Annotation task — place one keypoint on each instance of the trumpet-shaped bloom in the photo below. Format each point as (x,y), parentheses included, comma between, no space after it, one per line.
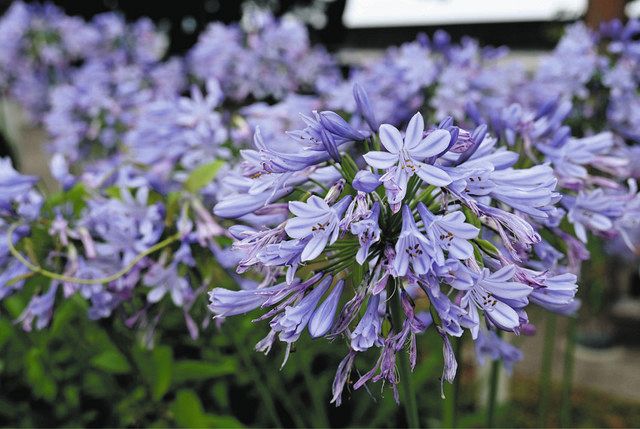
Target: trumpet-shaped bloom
(408,156)
(412,248)
(317,220)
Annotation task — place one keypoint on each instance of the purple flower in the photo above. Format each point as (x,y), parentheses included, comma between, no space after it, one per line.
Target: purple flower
(315,219)
(294,319)
(230,303)
(367,333)
(333,123)
(555,291)
(405,156)
(364,106)
(368,232)
(450,363)
(489,346)
(12,183)
(366,181)
(412,247)
(163,280)
(450,232)
(451,315)
(323,316)
(342,375)
(41,308)
(594,211)
(498,297)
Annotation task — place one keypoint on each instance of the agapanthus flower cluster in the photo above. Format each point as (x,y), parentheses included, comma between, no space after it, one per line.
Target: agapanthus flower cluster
(18,200)
(265,57)
(122,246)
(39,44)
(355,229)
(41,47)
(371,227)
(90,115)
(395,84)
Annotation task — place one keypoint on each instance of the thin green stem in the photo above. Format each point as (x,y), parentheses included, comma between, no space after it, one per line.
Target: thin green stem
(493,393)
(450,404)
(277,388)
(258,379)
(567,374)
(56,276)
(408,389)
(545,370)
(319,417)
(324,188)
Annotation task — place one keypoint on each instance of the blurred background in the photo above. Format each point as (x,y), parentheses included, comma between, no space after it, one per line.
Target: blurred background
(83,373)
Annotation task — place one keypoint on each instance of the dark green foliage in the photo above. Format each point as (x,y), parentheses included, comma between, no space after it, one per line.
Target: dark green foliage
(83,373)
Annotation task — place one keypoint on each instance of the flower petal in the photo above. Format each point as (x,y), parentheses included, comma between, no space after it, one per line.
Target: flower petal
(433,175)
(382,160)
(413,136)
(300,227)
(391,138)
(314,247)
(431,145)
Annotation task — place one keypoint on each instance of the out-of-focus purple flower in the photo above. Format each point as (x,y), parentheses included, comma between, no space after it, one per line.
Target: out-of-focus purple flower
(40,309)
(489,346)
(163,280)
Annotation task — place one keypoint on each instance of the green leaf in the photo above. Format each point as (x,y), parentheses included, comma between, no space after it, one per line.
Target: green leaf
(75,196)
(65,313)
(223,421)
(487,247)
(202,176)
(357,274)
(187,410)
(41,382)
(191,370)
(471,217)
(349,168)
(111,361)
(173,206)
(162,359)
(477,254)
(113,192)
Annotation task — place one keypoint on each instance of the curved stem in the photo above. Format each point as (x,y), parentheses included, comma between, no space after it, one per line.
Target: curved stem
(408,390)
(56,276)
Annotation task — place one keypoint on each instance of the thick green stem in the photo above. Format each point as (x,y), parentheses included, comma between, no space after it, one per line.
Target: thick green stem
(567,375)
(408,390)
(493,391)
(450,404)
(545,371)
